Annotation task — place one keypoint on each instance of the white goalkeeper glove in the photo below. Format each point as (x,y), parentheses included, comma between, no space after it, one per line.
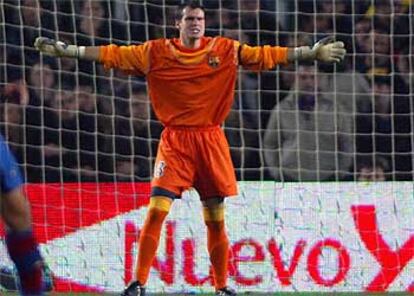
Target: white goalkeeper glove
(325,50)
(55,48)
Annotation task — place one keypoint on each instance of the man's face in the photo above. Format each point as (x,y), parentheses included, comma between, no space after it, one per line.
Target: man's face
(382,91)
(68,101)
(30,12)
(371,174)
(192,24)
(306,79)
(93,8)
(41,74)
(13,113)
(86,98)
(362,35)
(381,42)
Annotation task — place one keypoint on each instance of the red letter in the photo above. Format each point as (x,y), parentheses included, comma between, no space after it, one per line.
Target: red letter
(392,262)
(313,267)
(258,256)
(189,275)
(166,268)
(131,235)
(411,288)
(283,274)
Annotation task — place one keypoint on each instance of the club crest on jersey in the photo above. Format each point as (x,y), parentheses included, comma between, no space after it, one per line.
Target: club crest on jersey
(213,61)
(159,169)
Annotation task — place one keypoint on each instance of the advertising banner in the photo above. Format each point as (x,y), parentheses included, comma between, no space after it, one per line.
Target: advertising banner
(283,237)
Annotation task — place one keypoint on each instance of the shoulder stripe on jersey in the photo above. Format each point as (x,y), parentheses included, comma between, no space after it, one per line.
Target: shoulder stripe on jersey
(148,68)
(237,52)
(191,58)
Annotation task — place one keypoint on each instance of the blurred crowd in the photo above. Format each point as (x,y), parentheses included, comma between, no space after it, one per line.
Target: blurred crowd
(70,120)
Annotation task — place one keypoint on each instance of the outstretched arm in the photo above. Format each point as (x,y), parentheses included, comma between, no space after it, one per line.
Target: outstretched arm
(132,59)
(61,49)
(267,57)
(91,53)
(325,50)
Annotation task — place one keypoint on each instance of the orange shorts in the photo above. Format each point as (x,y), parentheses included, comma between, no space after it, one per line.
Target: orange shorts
(194,157)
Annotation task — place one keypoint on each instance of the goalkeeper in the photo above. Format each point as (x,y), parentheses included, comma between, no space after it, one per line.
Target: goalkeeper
(191,83)
(21,244)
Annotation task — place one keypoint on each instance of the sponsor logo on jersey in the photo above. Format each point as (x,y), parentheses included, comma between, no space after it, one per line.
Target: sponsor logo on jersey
(213,61)
(159,169)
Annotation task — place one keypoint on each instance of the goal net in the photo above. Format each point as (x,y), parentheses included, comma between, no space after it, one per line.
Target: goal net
(322,153)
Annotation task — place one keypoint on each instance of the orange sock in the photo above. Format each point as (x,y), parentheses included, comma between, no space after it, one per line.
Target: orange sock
(218,247)
(148,243)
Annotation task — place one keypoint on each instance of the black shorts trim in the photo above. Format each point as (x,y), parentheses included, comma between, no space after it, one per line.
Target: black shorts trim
(158,191)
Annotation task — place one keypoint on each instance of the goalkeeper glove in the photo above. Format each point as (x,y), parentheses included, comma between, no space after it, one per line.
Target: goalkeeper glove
(55,48)
(325,50)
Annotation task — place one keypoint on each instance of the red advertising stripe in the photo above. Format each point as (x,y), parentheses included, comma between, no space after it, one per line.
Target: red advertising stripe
(60,209)
(66,285)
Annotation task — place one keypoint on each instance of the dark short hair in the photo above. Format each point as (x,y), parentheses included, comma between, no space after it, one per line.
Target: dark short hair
(373,161)
(190,4)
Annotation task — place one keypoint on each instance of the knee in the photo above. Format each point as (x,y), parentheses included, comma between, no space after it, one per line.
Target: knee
(158,208)
(214,215)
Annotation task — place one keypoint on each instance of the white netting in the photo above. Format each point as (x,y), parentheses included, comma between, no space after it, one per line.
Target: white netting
(71,121)
(86,112)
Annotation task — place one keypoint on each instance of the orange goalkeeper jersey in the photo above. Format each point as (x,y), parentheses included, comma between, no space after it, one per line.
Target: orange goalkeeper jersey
(191,88)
